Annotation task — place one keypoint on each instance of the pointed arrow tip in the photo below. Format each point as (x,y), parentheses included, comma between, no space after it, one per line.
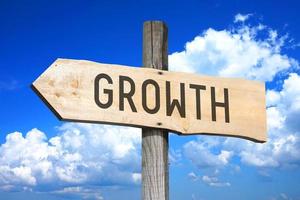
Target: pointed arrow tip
(35,89)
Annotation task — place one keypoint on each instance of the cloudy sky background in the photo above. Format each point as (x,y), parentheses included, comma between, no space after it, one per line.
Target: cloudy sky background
(42,158)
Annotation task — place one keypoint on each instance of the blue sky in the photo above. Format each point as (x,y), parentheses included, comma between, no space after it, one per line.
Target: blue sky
(43,158)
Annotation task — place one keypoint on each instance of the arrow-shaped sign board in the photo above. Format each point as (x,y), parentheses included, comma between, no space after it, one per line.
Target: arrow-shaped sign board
(85,91)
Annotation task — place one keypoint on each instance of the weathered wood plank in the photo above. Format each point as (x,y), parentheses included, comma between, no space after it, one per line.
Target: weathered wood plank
(68,87)
(155,166)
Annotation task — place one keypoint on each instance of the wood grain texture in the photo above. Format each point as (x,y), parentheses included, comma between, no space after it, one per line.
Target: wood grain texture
(155,166)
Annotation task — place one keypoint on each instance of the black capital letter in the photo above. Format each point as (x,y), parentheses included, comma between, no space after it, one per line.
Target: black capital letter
(144,96)
(175,102)
(214,104)
(198,99)
(105,91)
(128,96)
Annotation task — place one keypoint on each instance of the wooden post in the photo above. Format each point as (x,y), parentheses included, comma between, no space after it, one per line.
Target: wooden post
(155,165)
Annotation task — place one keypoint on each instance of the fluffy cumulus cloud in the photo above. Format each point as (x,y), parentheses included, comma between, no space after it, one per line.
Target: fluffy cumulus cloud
(80,155)
(237,52)
(204,155)
(253,52)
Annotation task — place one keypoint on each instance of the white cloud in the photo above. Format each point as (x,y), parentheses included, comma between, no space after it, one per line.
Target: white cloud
(201,154)
(209,180)
(193,176)
(273,97)
(136,177)
(275,118)
(263,160)
(84,193)
(234,53)
(241,18)
(214,181)
(285,104)
(174,156)
(81,154)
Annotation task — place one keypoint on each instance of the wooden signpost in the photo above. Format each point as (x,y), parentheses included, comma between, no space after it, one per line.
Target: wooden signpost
(86,91)
(156,100)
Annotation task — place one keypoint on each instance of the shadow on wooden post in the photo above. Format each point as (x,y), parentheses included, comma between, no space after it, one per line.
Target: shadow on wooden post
(155,166)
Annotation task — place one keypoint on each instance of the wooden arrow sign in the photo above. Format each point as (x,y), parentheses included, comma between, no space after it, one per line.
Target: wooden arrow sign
(84,91)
